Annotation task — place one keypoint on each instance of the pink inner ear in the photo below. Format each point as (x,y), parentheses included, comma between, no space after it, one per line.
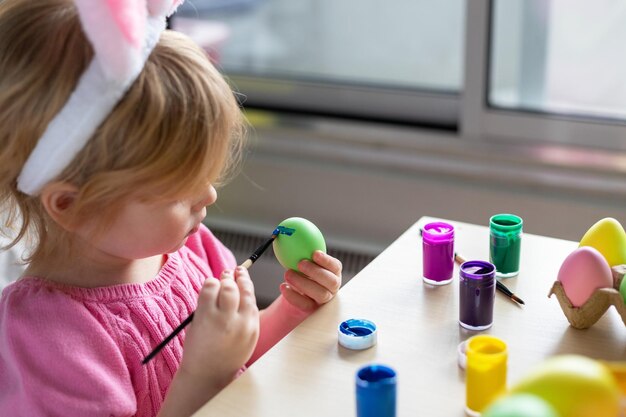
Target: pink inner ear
(130,16)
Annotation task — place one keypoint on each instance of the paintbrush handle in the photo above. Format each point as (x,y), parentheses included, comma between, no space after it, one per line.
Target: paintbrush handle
(165,341)
(258,252)
(246,264)
(458,259)
(502,288)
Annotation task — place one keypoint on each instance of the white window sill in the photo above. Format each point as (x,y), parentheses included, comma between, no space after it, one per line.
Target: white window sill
(586,173)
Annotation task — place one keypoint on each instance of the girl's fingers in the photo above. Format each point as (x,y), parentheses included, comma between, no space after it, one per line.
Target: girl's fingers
(246,289)
(308,287)
(296,299)
(323,277)
(326,261)
(228,298)
(227,274)
(207,298)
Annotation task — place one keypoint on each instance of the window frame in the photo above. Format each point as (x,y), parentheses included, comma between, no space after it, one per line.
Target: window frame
(432,108)
(480,120)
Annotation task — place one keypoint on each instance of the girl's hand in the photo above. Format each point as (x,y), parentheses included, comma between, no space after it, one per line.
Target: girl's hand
(316,284)
(219,341)
(224,330)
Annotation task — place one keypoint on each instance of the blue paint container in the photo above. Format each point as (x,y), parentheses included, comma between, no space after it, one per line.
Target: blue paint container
(376,391)
(357,334)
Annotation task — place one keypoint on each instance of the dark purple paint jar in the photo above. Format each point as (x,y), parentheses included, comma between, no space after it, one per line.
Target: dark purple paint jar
(477,292)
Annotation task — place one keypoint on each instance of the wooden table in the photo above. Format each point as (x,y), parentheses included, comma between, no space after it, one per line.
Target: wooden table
(309,374)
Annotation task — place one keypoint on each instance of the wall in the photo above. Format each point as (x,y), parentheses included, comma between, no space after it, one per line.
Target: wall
(363,189)
(363,193)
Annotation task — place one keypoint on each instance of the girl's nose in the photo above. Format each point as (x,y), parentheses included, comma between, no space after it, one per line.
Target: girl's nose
(206,199)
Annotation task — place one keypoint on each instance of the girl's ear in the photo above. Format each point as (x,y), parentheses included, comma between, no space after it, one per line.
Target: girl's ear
(57,199)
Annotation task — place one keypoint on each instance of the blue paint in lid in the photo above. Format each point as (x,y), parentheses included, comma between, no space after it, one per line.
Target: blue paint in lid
(357,334)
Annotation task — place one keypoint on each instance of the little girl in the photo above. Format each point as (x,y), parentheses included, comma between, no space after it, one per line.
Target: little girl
(113,135)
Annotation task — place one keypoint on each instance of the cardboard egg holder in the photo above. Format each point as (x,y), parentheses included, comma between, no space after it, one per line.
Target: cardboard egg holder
(586,315)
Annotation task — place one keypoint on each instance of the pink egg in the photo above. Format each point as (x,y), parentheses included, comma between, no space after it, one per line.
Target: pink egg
(582,272)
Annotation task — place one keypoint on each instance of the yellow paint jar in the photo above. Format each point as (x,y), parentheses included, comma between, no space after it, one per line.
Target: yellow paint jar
(485,373)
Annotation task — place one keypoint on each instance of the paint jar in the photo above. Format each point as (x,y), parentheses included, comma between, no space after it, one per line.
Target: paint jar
(376,391)
(438,253)
(477,293)
(505,243)
(485,373)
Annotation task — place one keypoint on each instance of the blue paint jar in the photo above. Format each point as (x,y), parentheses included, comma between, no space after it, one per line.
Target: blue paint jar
(376,391)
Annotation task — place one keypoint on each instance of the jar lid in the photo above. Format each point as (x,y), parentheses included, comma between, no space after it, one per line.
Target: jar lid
(477,270)
(438,232)
(461,353)
(357,334)
(506,223)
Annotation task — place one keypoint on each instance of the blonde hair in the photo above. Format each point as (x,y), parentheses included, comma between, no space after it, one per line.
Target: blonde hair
(178,128)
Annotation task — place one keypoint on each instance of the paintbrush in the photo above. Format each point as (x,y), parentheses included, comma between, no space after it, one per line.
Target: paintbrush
(280,230)
(499,286)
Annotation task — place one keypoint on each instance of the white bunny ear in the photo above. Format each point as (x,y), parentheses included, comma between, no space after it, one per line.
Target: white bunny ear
(163,7)
(123,33)
(116,29)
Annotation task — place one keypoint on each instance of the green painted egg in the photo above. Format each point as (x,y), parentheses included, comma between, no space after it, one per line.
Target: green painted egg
(622,289)
(520,405)
(305,239)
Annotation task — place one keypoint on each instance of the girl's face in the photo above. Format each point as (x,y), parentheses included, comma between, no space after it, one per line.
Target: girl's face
(144,229)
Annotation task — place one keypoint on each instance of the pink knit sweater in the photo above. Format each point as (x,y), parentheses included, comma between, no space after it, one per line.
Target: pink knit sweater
(70,351)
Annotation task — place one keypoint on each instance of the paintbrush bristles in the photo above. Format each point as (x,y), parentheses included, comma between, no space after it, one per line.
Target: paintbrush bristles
(283,230)
(516,298)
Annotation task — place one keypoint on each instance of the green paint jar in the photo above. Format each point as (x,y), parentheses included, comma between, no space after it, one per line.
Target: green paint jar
(505,243)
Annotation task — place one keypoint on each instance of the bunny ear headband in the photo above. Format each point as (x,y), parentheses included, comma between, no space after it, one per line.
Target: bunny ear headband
(123,33)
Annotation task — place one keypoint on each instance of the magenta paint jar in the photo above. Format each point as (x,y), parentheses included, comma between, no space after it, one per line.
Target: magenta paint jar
(438,253)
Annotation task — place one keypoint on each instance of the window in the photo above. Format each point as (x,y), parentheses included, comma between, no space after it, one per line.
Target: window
(563,56)
(392,61)
(531,71)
